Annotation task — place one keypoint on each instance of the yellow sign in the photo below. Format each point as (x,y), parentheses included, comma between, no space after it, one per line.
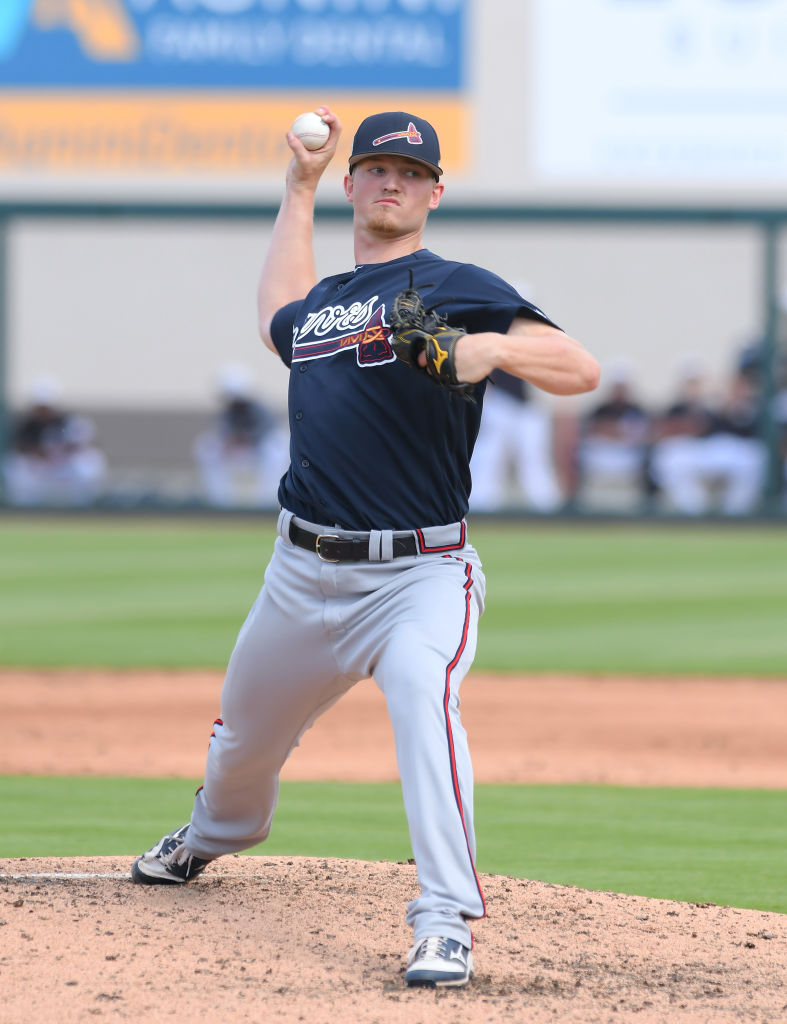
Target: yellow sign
(228,133)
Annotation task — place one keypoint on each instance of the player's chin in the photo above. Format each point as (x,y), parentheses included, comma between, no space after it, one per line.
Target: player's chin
(383,221)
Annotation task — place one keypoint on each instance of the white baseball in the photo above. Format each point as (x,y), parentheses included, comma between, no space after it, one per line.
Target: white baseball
(311,130)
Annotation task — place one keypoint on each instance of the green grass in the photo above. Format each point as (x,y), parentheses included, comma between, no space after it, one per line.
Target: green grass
(597,598)
(635,599)
(130,593)
(704,845)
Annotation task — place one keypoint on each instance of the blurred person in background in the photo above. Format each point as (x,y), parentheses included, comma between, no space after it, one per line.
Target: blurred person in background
(54,458)
(612,447)
(244,455)
(516,433)
(751,362)
(780,416)
(514,446)
(677,441)
(708,456)
(735,456)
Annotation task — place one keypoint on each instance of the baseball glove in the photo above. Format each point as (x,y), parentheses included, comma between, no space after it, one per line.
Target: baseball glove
(415,329)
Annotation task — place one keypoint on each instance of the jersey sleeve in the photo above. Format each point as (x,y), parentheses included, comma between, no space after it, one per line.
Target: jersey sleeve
(281,330)
(479,300)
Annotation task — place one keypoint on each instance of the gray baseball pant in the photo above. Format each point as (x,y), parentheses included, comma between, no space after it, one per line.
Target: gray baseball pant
(315,630)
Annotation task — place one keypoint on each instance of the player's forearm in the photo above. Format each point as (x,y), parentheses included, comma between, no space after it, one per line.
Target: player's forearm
(551,360)
(288,272)
(542,355)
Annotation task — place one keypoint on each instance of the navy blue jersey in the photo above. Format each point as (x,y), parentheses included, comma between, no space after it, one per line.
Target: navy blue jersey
(373,443)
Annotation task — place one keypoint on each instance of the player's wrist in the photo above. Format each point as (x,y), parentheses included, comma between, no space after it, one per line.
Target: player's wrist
(476,356)
(301,185)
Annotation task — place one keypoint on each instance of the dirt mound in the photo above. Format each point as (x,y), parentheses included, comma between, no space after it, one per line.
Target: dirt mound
(302,939)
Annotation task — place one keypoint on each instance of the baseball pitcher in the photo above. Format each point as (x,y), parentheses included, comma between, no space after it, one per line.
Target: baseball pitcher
(373,572)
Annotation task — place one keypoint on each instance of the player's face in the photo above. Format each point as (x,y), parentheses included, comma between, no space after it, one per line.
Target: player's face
(392,195)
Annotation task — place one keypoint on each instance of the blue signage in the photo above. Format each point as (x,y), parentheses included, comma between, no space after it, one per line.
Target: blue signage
(233,44)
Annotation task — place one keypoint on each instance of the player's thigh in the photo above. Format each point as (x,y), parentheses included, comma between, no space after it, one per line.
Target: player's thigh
(432,637)
(282,665)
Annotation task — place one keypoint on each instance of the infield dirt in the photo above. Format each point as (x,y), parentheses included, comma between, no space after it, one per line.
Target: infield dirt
(304,939)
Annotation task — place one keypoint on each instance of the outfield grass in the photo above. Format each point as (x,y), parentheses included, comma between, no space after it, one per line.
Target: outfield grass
(636,599)
(704,845)
(597,598)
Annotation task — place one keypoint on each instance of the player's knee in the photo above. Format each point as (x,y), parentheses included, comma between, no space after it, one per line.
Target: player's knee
(416,692)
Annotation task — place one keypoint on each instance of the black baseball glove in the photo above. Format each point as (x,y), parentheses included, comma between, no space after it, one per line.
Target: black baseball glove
(415,329)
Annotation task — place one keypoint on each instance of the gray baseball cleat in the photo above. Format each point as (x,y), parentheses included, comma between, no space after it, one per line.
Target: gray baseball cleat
(168,862)
(438,962)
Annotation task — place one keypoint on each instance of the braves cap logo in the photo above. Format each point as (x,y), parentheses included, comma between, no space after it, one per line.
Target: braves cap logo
(412,135)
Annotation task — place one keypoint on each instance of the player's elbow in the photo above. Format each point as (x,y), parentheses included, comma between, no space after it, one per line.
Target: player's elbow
(264,328)
(584,373)
(589,374)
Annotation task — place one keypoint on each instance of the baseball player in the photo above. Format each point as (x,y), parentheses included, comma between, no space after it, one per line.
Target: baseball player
(372,572)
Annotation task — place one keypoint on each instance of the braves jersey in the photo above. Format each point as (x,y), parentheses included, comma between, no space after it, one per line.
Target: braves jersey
(375,445)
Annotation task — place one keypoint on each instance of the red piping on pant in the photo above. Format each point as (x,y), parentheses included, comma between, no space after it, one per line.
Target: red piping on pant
(449,732)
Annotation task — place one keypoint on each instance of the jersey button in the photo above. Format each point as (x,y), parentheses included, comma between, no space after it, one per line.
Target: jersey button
(302,368)
(299,415)
(305,463)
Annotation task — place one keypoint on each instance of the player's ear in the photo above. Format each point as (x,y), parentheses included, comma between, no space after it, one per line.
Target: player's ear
(437,194)
(348,187)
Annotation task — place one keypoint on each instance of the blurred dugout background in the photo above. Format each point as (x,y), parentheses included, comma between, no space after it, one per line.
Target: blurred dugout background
(623,164)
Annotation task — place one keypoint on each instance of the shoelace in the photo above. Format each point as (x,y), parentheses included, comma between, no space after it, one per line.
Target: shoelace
(433,947)
(177,855)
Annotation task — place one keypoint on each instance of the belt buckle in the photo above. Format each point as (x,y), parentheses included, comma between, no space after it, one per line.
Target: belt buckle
(325,536)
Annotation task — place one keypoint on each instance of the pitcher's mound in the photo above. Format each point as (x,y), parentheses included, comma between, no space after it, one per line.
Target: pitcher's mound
(296,939)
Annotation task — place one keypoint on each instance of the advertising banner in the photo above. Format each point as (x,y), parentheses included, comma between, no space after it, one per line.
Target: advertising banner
(210,86)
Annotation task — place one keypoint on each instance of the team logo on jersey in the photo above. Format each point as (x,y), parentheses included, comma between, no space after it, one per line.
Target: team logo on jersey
(334,329)
(412,135)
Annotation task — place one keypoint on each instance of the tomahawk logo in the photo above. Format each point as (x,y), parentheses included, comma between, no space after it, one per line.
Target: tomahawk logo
(334,329)
(412,135)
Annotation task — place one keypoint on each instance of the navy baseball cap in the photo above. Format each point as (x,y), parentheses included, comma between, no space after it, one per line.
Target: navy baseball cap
(399,134)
